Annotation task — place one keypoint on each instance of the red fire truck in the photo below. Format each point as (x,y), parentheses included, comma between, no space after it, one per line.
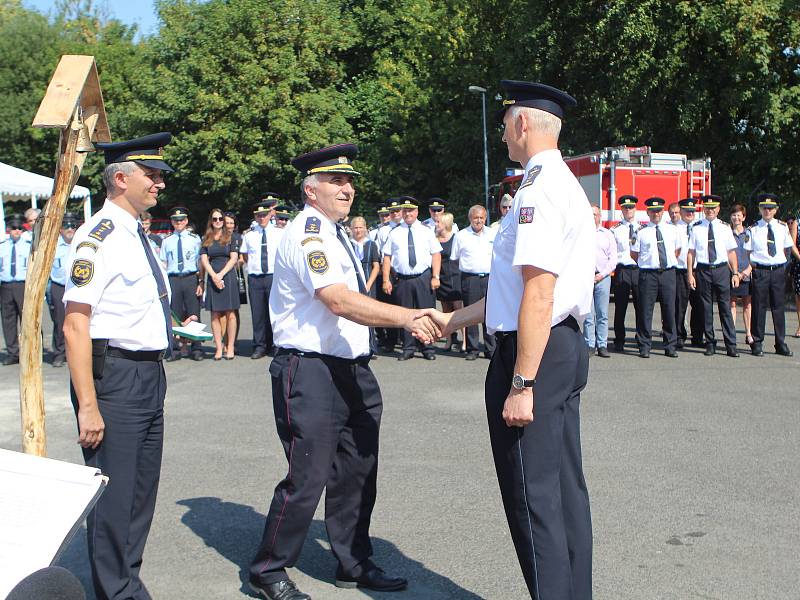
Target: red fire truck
(607,174)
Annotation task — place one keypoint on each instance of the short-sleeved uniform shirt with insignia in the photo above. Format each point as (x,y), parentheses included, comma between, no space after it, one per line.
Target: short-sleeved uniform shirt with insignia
(58,274)
(22,251)
(425,246)
(625,233)
(190,247)
(723,241)
(311,257)
(109,271)
(251,248)
(759,248)
(684,229)
(551,227)
(647,245)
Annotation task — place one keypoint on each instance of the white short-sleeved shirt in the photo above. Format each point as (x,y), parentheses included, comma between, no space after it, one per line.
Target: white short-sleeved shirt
(251,247)
(684,229)
(22,251)
(425,246)
(473,251)
(190,248)
(757,244)
(108,270)
(646,245)
(625,233)
(311,257)
(383,234)
(550,226)
(723,241)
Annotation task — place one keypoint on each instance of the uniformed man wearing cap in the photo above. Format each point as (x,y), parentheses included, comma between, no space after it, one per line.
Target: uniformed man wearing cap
(767,249)
(540,288)
(712,270)
(14,253)
(282,216)
(118,330)
(326,400)
(56,285)
(656,251)
(684,295)
(436,207)
(383,219)
(180,252)
(259,247)
(388,337)
(414,255)
(626,275)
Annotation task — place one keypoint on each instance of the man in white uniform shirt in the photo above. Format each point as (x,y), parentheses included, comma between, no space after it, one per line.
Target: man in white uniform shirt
(118,329)
(712,270)
(656,250)
(326,400)
(259,247)
(684,295)
(387,337)
(540,288)
(769,241)
(626,275)
(472,249)
(414,255)
(436,208)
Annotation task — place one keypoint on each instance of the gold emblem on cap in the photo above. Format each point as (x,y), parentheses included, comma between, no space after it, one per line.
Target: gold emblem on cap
(342,160)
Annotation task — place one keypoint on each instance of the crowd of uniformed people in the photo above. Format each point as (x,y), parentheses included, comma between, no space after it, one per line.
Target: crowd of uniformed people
(326,292)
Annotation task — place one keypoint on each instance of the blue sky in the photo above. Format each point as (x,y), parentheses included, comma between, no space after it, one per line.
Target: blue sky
(140,12)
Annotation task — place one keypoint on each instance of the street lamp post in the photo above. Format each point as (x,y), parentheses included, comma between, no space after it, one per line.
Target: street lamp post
(475,89)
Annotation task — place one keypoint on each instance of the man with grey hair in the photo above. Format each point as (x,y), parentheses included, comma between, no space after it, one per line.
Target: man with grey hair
(30,220)
(505,205)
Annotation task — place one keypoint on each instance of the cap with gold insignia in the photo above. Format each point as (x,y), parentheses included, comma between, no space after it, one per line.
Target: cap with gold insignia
(628,201)
(535,95)
(267,203)
(179,213)
(147,151)
(437,204)
(394,205)
(687,204)
(767,201)
(333,159)
(408,202)
(655,203)
(15,222)
(70,221)
(711,200)
(383,210)
(282,212)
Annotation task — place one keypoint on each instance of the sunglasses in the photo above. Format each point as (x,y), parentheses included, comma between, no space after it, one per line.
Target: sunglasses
(504,207)
(15,228)
(436,209)
(217,218)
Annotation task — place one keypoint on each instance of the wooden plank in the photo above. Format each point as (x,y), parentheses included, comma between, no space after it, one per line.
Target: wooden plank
(64,91)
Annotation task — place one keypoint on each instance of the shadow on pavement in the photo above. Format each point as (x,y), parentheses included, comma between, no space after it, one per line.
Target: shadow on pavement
(234,531)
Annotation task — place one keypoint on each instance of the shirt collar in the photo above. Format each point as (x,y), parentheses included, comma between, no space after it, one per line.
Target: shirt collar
(543,157)
(120,217)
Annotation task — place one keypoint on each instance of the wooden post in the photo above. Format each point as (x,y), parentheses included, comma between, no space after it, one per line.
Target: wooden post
(74,104)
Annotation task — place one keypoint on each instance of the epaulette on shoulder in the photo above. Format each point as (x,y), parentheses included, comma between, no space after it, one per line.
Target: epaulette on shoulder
(783,222)
(617,225)
(102,230)
(193,234)
(642,227)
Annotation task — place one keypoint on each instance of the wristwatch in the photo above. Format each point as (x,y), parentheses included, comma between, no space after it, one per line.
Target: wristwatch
(519,382)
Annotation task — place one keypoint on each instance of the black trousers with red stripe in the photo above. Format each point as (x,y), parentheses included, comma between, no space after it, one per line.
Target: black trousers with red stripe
(539,467)
(328,415)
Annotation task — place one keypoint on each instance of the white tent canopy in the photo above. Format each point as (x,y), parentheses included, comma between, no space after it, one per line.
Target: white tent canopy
(18,184)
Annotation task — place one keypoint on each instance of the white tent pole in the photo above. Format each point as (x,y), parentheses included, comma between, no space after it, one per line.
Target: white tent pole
(33,200)
(87,208)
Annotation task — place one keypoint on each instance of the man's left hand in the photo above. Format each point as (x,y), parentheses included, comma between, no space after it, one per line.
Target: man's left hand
(518,408)
(435,283)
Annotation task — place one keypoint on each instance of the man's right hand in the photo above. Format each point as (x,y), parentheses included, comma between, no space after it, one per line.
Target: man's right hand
(691,280)
(422,326)
(387,287)
(91,425)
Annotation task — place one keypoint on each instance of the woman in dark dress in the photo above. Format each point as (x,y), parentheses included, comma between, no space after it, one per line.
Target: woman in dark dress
(741,235)
(449,292)
(219,258)
(232,226)
(795,268)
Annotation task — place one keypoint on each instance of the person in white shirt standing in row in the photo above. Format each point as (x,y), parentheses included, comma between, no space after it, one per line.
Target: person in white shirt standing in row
(414,254)
(436,208)
(769,241)
(472,249)
(595,326)
(656,251)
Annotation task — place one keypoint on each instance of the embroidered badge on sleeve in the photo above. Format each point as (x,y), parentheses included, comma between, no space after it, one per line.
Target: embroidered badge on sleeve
(102,230)
(312,225)
(317,261)
(82,272)
(526,215)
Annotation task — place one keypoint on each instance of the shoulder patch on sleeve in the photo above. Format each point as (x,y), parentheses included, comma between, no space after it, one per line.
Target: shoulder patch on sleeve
(312,225)
(102,230)
(642,227)
(531,176)
(82,271)
(311,238)
(525,214)
(91,245)
(317,261)
(617,225)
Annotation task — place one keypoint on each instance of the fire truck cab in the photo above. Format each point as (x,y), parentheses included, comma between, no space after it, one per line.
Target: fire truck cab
(607,174)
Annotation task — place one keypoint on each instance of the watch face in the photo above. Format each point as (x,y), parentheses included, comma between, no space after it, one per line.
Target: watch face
(518,382)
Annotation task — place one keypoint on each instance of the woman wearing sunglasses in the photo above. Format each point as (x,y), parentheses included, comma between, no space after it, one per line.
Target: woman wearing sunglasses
(219,256)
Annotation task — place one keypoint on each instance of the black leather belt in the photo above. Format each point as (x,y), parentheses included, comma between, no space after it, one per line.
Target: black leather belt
(768,267)
(501,336)
(701,266)
(656,270)
(465,274)
(258,274)
(137,355)
(681,269)
(351,361)
(621,266)
(401,276)
(181,275)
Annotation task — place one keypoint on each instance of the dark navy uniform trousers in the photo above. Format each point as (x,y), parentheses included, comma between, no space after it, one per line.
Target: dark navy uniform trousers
(57,314)
(184,300)
(539,467)
(716,282)
(260,286)
(328,415)
(655,284)
(414,291)
(12,300)
(685,296)
(130,394)
(767,287)
(625,285)
(473,288)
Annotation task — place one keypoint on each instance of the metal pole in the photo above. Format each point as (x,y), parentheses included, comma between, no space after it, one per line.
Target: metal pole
(485,160)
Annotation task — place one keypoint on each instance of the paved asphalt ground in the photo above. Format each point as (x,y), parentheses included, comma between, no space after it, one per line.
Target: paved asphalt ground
(692,466)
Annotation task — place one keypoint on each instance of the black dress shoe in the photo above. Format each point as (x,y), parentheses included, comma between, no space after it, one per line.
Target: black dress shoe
(428,356)
(373,579)
(697,343)
(602,352)
(644,353)
(681,344)
(732,352)
(282,590)
(455,347)
(11,360)
(198,355)
(471,356)
(258,354)
(756,350)
(784,351)
(176,355)
(388,348)
(710,350)
(58,361)
(405,356)
(619,347)
(487,355)
(670,354)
